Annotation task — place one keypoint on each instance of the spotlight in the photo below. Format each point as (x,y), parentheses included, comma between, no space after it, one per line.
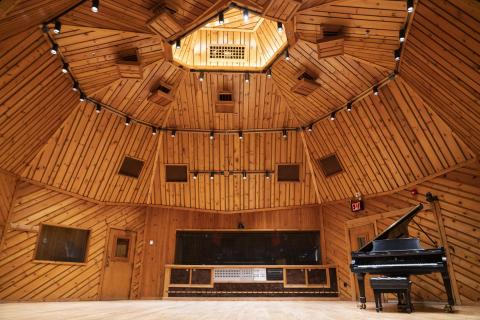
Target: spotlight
(397,55)
(54,49)
(201,76)
(212,175)
(212,135)
(95,5)
(310,127)
(82,97)
(410,6)
(173,134)
(221,19)
(65,67)
(333,115)
(58,27)
(154,131)
(45,28)
(401,36)
(287,55)
(240,135)
(75,86)
(127,121)
(279,26)
(178,44)
(247,77)
(245,15)
(375,90)
(98,108)
(244,175)
(195,175)
(349,106)
(269,73)
(284,133)
(267,175)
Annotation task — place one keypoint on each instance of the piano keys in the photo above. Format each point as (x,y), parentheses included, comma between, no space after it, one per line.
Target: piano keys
(393,253)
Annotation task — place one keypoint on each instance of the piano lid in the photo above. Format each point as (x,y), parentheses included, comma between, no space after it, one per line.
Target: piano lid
(398,229)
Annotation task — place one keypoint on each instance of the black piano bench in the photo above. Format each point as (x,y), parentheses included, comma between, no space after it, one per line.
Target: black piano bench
(399,285)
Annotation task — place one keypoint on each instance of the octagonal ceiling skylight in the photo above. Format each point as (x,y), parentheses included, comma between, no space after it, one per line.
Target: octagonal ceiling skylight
(235,44)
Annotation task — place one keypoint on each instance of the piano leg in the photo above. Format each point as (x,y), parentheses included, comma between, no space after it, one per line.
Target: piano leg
(361,289)
(448,289)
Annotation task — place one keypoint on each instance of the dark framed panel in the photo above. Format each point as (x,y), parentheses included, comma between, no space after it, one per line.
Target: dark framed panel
(330,165)
(176,173)
(131,167)
(289,172)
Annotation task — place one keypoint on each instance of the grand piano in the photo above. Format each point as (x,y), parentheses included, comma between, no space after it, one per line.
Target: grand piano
(393,253)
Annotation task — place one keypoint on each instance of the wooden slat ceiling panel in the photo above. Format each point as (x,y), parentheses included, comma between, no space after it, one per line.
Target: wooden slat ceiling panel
(441,60)
(340,78)
(231,193)
(187,11)
(385,143)
(258,104)
(23,279)
(35,98)
(85,154)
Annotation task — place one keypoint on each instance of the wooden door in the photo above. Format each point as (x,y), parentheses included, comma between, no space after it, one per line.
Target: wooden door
(360,236)
(118,266)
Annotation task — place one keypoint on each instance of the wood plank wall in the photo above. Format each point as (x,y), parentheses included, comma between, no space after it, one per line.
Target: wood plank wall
(7,190)
(459,193)
(161,226)
(441,60)
(23,280)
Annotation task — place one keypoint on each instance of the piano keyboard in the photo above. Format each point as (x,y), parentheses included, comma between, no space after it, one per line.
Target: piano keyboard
(368,266)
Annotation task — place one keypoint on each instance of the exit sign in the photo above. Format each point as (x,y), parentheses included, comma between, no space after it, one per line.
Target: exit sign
(356,205)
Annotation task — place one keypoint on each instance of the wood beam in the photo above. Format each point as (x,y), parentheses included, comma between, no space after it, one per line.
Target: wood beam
(6,6)
(307,5)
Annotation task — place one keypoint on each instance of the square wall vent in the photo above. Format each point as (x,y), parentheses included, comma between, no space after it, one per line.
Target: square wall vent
(288,172)
(176,173)
(131,167)
(330,165)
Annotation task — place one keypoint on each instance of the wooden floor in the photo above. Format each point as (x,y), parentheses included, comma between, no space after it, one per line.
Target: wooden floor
(218,310)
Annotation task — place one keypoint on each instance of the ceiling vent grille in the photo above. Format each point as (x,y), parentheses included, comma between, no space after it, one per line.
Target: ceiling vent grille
(131,167)
(227,52)
(288,173)
(176,173)
(330,165)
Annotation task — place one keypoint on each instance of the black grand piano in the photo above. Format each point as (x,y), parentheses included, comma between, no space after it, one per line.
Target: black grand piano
(393,253)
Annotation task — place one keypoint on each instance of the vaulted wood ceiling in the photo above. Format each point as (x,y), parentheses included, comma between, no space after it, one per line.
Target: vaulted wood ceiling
(423,123)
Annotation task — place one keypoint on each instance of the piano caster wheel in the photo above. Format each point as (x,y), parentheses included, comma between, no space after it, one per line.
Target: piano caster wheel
(448,308)
(363,306)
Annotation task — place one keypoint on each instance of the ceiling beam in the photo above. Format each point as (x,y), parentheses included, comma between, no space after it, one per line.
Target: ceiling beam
(307,5)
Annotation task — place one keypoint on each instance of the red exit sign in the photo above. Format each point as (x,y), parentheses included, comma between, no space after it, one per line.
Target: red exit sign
(356,205)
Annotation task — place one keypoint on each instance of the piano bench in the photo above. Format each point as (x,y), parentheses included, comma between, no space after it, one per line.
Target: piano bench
(399,285)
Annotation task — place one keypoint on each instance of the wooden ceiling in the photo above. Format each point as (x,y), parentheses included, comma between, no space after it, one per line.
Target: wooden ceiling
(423,123)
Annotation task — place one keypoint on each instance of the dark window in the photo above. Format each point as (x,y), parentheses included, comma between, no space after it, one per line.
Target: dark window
(62,244)
(164,89)
(176,173)
(131,167)
(288,172)
(224,96)
(330,165)
(121,249)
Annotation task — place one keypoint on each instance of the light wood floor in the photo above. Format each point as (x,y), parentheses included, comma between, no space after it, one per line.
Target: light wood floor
(220,310)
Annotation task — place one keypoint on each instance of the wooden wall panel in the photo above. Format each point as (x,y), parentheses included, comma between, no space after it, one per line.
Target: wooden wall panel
(384,143)
(35,98)
(85,155)
(441,60)
(161,226)
(257,152)
(7,190)
(23,279)
(459,193)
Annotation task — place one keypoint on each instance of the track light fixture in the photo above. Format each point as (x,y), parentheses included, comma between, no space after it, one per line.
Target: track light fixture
(82,97)
(410,6)
(154,131)
(54,49)
(287,55)
(95,5)
(267,175)
(58,27)
(75,86)
(212,135)
(375,90)
(333,115)
(201,76)
(269,73)
(247,77)
(245,15)
(127,121)
(349,106)
(397,55)
(174,133)
(45,28)
(279,26)
(65,67)
(244,175)
(284,134)
(240,135)
(212,175)
(178,44)
(221,18)
(98,108)
(195,175)
(310,127)
(401,35)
